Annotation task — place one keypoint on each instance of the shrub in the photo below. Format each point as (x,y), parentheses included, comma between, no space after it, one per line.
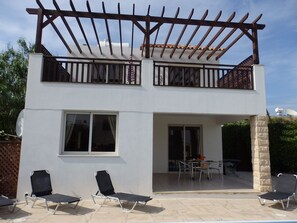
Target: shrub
(282,144)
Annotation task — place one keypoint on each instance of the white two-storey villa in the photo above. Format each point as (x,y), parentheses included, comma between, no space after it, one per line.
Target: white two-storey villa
(133,94)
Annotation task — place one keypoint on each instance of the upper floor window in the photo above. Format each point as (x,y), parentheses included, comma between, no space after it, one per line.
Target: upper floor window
(88,132)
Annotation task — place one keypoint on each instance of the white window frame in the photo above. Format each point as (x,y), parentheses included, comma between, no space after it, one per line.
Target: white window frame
(89,152)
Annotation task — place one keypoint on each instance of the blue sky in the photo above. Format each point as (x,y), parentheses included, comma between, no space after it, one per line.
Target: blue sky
(277,42)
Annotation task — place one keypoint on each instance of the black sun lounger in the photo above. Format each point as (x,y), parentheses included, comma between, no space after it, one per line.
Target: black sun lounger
(42,190)
(5,201)
(106,191)
(285,188)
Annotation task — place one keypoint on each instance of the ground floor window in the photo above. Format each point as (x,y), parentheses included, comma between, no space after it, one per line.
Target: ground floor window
(90,133)
(184,143)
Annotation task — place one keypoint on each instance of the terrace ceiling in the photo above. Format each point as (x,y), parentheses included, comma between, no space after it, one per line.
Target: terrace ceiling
(197,35)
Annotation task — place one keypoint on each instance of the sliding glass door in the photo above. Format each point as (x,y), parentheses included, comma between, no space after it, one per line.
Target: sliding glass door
(184,143)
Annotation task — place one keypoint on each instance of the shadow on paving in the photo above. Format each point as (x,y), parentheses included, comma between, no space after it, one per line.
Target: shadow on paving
(18,213)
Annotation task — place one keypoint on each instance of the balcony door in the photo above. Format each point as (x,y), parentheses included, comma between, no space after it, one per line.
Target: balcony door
(184,143)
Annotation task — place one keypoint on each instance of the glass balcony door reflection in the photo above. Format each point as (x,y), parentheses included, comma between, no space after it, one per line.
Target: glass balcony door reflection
(184,144)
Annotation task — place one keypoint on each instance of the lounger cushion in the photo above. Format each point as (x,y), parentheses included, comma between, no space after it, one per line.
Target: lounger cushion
(131,197)
(41,183)
(104,183)
(61,198)
(275,196)
(5,201)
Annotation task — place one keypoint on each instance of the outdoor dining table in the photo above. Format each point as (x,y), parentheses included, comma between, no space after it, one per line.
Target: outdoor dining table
(202,165)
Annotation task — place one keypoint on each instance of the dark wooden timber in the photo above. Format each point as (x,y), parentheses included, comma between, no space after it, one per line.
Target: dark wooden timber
(67,26)
(81,27)
(148,25)
(55,28)
(145,36)
(94,27)
(169,33)
(193,34)
(238,38)
(203,75)
(141,18)
(215,37)
(120,29)
(91,71)
(181,34)
(166,74)
(156,37)
(39,31)
(107,29)
(226,38)
(132,37)
(205,35)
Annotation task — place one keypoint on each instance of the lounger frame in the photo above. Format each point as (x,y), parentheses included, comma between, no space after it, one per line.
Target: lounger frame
(6,202)
(119,197)
(46,195)
(280,195)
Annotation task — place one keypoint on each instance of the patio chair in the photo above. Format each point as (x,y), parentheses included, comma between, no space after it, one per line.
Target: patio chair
(6,202)
(216,166)
(183,167)
(230,165)
(42,190)
(200,167)
(285,188)
(106,191)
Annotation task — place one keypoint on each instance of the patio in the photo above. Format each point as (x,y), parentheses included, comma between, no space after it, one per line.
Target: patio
(169,183)
(169,207)
(231,199)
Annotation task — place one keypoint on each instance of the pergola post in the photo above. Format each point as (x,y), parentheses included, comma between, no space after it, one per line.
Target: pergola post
(260,153)
(147,37)
(255,47)
(39,31)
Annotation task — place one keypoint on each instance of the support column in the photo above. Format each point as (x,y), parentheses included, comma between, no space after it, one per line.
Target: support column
(260,153)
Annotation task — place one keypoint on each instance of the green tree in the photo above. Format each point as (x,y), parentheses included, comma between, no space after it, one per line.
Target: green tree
(13,77)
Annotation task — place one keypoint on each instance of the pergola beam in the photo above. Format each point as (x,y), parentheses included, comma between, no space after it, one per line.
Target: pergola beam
(67,26)
(94,27)
(140,18)
(169,33)
(215,37)
(157,27)
(226,38)
(181,34)
(54,27)
(193,34)
(81,27)
(205,35)
(148,25)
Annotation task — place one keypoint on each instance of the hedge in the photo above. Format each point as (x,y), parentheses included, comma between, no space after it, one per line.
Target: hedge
(282,144)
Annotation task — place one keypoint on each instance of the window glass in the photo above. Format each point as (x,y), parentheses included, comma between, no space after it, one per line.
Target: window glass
(77,132)
(104,133)
(90,133)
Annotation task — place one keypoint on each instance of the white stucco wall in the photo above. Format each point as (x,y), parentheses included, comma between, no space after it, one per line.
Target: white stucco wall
(132,169)
(144,98)
(74,174)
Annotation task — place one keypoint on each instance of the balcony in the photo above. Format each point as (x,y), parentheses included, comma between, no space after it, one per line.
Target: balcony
(96,71)
(128,72)
(203,75)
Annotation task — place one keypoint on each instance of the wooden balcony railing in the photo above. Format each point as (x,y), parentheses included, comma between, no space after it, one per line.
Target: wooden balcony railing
(203,75)
(128,72)
(84,70)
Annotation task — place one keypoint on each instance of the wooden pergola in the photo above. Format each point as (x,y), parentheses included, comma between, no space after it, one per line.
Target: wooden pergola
(220,35)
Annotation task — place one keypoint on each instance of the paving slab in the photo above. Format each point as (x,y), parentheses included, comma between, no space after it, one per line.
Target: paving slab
(163,208)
